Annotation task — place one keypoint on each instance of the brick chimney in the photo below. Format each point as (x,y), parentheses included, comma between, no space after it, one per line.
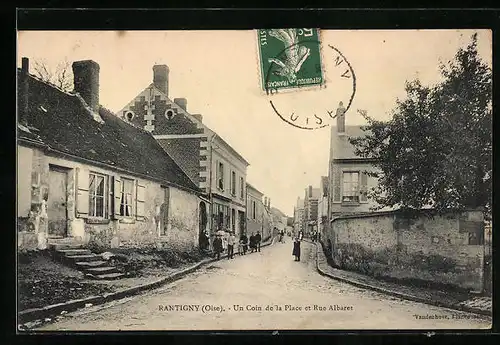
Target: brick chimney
(24,92)
(160,77)
(181,102)
(86,79)
(341,118)
(199,117)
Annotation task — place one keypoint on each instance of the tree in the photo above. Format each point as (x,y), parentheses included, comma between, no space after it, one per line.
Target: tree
(60,76)
(437,149)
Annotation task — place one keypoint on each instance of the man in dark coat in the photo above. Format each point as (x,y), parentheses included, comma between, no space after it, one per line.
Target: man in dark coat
(296,249)
(258,239)
(243,244)
(252,243)
(217,246)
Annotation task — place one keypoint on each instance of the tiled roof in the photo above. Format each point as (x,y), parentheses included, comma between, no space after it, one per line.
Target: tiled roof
(340,147)
(253,188)
(324,185)
(61,121)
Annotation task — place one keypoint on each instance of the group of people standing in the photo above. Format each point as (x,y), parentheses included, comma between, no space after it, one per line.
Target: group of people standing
(221,242)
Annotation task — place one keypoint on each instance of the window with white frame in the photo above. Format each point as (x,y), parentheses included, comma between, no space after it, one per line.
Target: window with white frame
(350,184)
(254,209)
(126,198)
(98,196)
(233,183)
(242,188)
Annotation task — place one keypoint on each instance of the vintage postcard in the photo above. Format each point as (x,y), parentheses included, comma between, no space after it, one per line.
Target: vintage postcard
(267,179)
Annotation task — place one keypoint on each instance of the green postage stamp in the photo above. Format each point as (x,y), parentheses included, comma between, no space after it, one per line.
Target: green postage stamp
(289,58)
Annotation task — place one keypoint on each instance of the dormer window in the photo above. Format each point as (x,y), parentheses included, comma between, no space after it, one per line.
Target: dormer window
(169,114)
(129,115)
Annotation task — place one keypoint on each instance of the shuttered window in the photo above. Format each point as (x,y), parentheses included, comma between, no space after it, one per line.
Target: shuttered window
(363,191)
(126,197)
(98,195)
(82,193)
(140,200)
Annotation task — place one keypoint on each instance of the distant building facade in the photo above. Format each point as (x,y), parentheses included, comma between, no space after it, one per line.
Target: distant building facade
(298,215)
(86,175)
(311,200)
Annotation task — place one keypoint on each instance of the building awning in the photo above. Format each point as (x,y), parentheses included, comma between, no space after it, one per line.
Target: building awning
(204,198)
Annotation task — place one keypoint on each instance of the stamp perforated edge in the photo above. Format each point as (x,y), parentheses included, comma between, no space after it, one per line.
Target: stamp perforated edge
(262,75)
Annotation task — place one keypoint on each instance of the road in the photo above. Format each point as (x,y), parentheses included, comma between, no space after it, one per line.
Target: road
(245,288)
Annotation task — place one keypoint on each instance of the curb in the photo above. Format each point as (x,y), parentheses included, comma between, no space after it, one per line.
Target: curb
(400,294)
(55,309)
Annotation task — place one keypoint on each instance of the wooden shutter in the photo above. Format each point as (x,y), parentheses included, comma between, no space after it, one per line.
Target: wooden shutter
(363,189)
(117,193)
(82,193)
(336,185)
(140,198)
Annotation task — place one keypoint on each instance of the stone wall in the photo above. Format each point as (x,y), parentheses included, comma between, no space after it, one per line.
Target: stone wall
(435,249)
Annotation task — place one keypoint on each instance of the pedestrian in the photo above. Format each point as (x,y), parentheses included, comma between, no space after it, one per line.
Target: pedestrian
(243,244)
(296,249)
(258,239)
(217,246)
(252,243)
(230,245)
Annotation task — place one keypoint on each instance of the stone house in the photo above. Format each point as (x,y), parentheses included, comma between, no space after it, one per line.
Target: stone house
(258,219)
(87,175)
(208,160)
(298,216)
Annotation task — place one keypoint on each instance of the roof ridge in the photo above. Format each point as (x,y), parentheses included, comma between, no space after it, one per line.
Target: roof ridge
(48,83)
(196,121)
(124,121)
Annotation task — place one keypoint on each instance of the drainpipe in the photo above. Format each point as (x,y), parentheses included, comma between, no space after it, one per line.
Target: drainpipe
(210,186)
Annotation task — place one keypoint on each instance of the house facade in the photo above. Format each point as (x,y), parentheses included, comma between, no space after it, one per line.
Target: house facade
(86,175)
(298,216)
(209,161)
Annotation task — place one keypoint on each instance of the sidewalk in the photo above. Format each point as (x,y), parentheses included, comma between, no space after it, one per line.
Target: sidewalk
(129,287)
(477,305)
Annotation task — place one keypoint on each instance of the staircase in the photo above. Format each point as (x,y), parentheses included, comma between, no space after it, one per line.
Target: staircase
(73,254)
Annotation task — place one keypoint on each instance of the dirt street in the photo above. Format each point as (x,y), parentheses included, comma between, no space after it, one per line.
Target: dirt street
(239,294)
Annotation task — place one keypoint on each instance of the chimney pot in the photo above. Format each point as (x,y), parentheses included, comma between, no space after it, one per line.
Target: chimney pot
(341,118)
(24,92)
(86,81)
(160,78)
(25,65)
(181,102)
(199,117)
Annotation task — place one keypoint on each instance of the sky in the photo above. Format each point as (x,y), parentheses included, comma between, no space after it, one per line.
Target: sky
(218,73)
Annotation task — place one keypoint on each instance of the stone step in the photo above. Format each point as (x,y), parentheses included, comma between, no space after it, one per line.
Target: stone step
(73,252)
(69,245)
(89,257)
(62,240)
(102,270)
(109,276)
(89,264)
